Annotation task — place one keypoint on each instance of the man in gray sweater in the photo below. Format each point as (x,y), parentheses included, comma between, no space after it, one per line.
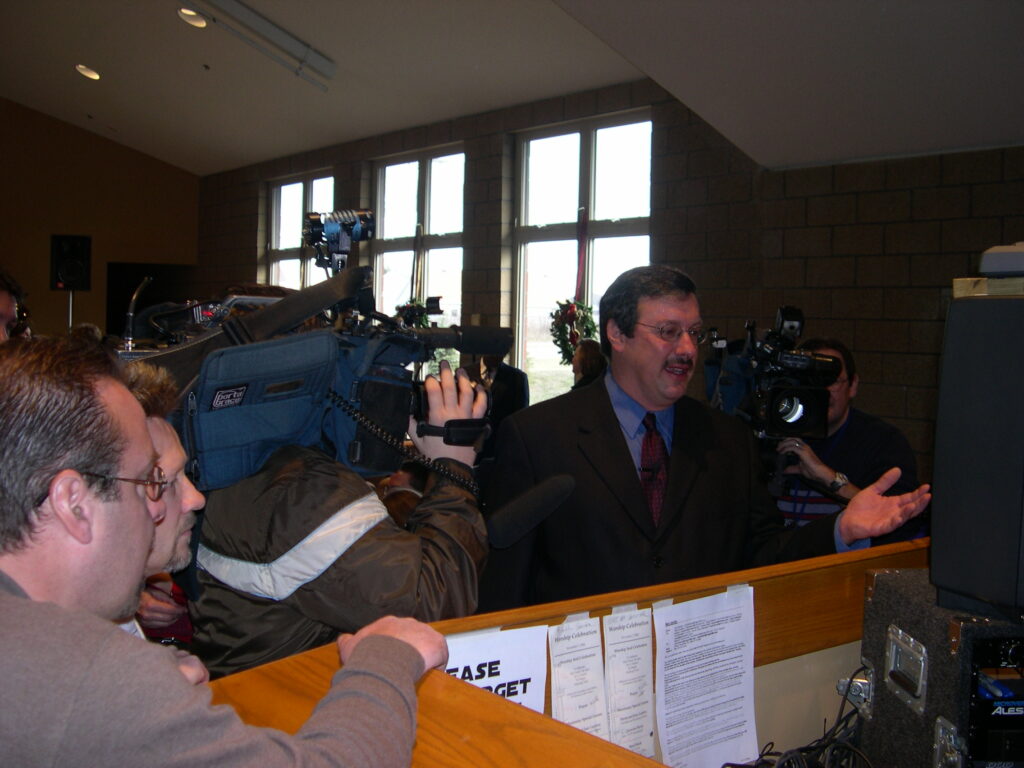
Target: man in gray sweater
(80,493)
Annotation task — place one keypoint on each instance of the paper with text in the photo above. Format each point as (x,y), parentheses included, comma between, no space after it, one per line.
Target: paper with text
(629,680)
(577,676)
(705,695)
(512,664)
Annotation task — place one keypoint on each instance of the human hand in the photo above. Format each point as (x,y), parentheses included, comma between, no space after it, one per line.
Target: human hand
(157,608)
(869,513)
(449,396)
(430,643)
(191,667)
(807,462)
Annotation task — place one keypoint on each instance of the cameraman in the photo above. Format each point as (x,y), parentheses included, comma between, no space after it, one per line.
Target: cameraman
(304,548)
(827,472)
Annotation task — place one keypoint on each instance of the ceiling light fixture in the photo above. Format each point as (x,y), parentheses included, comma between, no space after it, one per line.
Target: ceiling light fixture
(88,72)
(192,17)
(272,41)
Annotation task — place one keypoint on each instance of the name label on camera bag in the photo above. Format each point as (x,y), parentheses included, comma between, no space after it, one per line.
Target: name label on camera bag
(228,398)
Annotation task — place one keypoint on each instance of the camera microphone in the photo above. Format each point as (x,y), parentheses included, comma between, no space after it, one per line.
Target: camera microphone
(473,339)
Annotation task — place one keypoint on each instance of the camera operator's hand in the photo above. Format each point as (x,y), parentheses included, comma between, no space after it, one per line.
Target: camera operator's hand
(808,465)
(870,513)
(452,396)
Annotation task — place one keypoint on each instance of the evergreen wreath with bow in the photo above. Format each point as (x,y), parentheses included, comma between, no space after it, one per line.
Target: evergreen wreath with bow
(570,323)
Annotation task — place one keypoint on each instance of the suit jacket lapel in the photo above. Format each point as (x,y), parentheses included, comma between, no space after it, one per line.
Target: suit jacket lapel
(601,443)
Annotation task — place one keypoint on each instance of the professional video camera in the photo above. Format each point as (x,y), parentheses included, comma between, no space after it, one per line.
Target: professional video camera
(781,391)
(349,392)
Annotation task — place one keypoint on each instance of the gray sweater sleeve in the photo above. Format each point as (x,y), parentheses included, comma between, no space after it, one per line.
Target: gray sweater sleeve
(79,694)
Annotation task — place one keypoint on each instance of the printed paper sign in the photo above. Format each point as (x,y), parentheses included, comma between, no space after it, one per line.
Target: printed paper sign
(705,691)
(512,663)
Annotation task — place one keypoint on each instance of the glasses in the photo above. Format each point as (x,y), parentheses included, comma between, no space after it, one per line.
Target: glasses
(155,484)
(672,333)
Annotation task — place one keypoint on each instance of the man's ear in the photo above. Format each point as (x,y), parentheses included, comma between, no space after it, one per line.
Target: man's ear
(854,382)
(72,505)
(615,335)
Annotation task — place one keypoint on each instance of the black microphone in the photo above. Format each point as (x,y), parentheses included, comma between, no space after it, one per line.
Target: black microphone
(472,339)
(514,520)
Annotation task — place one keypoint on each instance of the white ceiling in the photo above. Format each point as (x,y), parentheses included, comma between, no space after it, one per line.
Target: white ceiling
(791,82)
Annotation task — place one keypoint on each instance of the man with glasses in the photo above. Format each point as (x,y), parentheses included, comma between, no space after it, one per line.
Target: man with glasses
(665,488)
(857,450)
(163,613)
(79,489)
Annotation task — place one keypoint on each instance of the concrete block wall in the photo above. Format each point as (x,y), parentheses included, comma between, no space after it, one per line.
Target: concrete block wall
(867,250)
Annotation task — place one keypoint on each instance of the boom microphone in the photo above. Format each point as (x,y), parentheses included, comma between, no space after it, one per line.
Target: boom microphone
(472,339)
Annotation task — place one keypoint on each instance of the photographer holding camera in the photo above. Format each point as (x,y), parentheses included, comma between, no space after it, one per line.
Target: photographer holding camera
(824,473)
(304,548)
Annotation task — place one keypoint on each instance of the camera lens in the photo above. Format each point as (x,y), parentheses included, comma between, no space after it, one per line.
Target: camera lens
(790,409)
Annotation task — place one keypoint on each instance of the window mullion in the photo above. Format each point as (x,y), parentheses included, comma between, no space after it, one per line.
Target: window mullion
(587,202)
(617,227)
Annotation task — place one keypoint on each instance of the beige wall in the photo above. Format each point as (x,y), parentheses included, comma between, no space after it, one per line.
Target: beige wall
(867,250)
(59,179)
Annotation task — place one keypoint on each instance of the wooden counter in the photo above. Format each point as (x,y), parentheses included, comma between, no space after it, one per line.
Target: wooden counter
(799,608)
(460,726)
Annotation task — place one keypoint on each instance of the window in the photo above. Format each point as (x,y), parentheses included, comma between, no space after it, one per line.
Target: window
(418,247)
(584,219)
(289,264)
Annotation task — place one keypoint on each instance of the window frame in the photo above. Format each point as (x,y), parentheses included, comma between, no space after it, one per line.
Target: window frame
(420,243)
(276,255)
(525,234)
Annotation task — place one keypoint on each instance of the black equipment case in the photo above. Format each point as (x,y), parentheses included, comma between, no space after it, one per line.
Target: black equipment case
(947,686)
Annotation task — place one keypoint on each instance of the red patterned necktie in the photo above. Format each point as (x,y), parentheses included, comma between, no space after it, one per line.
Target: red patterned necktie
(653,467)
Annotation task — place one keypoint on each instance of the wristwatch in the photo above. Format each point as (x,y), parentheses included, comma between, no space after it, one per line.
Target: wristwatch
(838,482)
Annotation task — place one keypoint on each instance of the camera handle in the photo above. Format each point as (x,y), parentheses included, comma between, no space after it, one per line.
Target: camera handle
(393,442)
(457,431)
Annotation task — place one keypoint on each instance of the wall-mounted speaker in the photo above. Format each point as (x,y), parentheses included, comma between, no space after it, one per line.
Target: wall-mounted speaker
(70,262)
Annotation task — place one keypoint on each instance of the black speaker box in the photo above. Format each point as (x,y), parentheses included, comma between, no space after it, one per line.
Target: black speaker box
(947,685)
(978,496)
(70,262)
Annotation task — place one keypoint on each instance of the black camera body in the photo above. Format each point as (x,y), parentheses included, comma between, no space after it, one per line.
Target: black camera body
(780,390)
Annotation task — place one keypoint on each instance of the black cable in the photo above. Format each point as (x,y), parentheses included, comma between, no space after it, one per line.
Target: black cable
(394,443)
(833,749)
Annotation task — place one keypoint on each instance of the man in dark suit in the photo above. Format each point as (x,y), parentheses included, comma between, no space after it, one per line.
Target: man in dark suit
(665,488)
(510,392)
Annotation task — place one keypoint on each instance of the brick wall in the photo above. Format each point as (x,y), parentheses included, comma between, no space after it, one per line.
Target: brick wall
(867,250)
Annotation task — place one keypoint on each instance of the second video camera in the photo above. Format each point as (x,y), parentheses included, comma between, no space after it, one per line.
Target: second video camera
(782,391)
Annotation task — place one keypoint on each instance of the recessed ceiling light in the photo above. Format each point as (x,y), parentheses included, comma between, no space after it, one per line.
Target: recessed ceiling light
(192,17)
(89,72)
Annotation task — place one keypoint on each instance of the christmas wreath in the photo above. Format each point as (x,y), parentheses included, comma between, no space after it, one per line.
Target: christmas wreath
(570,323)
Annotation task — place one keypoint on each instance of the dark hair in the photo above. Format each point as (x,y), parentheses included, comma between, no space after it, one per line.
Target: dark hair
(51,419)
(153,386)
(818,344)
(620,301)
(591,361)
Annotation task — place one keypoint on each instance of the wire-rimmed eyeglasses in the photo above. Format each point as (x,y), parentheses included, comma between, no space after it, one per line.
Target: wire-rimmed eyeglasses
(155,484)
(672,333)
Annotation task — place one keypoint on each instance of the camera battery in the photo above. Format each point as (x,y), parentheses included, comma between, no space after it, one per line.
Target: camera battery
(947,686)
